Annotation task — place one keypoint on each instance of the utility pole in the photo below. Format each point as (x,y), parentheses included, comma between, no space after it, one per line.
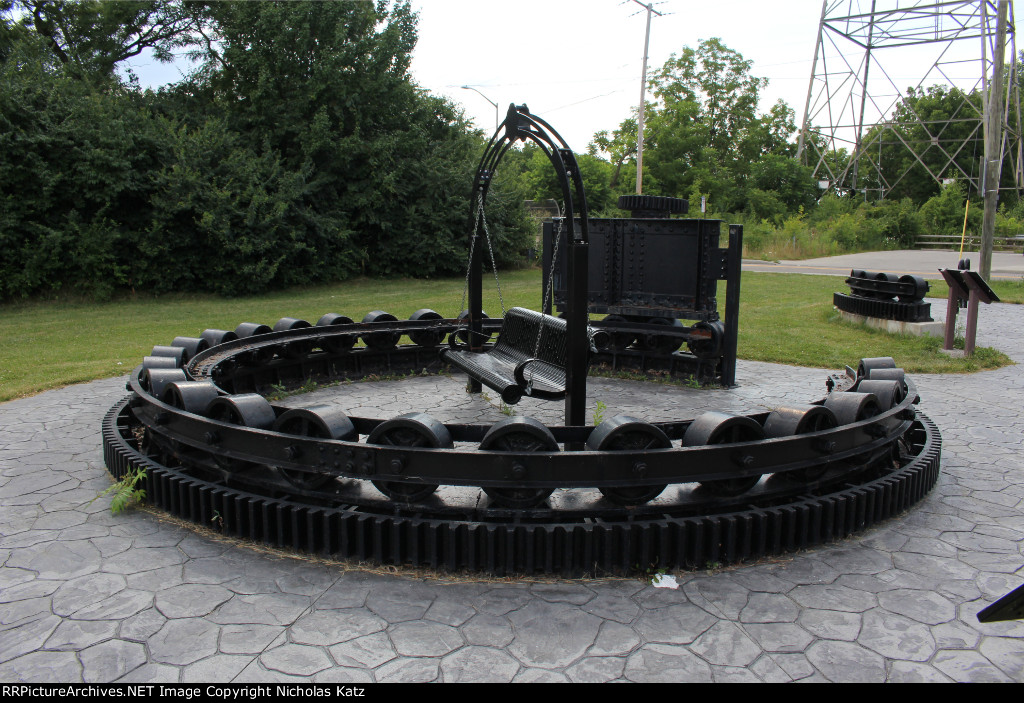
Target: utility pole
(993,143)
(643,99)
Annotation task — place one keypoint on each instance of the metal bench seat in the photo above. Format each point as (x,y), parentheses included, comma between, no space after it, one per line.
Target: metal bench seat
(517,364)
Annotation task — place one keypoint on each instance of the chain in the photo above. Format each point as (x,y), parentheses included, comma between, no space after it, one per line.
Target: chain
(549,289)
(494,263)
(480,217)
(472,246)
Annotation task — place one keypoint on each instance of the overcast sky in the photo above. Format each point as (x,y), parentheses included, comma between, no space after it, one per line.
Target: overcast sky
(577,63)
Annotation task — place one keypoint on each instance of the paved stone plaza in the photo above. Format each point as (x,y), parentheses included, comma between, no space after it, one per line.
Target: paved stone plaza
(87,596)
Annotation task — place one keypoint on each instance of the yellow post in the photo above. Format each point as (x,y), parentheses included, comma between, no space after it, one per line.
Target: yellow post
(964,232)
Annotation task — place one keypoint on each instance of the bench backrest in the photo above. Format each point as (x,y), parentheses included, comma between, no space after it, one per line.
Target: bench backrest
(519,332)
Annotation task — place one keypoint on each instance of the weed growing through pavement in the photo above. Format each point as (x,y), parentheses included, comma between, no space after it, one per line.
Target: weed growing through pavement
(126,491)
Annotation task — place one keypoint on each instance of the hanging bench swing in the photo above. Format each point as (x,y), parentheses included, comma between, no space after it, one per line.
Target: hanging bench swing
(536,354)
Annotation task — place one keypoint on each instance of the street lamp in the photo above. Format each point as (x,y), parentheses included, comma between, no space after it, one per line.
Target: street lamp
(469,87)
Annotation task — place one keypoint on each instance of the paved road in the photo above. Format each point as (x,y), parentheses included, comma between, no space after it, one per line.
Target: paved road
(87,596)
(1005,266)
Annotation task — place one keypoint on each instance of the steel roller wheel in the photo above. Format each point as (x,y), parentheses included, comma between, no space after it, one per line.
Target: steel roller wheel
(191,345)
(708,342)
(620,341)
(887,278)
(191,396)
(155,380)
(159,362)
(722,428)
(176,353)
(426,337)
(337,343)
(897,375)
(249,329)
(290,323)
(520,435)
(800,419)
(878,362)
(245,409)
(625,433)
(293,350)
(850,406)
(889,392)
(260,355)
(380,341)
(659,343)
(323,422)
(214,337)
(409,430)
(920,288)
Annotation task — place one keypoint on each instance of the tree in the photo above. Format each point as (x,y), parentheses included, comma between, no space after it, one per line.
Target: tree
(941,125)
(73,177)
(91,37)
(703,131)
(718,80)
(621,147)
(541,180)
(300,151)
(778,185)
(325,86)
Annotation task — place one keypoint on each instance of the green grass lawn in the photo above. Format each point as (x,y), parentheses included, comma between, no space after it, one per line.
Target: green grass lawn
(785,318)
(789,319)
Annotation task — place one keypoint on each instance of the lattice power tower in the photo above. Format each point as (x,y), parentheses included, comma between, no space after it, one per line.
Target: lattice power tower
(866,50)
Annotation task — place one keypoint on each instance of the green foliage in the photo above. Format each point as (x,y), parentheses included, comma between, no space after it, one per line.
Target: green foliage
(126,492)
(779,185)
(704,136)
(621,146)
(90,37)
(300,151)
(70,184)
(541,180)
(898,220)
(944,213)
(831,206)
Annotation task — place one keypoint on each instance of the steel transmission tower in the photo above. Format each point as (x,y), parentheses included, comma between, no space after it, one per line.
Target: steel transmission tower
(855,117)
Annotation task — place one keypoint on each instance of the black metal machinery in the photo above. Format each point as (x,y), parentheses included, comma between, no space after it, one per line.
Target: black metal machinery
(647,272)
(516,495)
(501,497)
(886,296)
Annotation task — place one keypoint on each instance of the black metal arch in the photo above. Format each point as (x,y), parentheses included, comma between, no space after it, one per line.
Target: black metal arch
(520,125)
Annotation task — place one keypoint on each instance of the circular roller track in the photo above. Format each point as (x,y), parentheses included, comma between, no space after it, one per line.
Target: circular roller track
(412,490)
(502,543)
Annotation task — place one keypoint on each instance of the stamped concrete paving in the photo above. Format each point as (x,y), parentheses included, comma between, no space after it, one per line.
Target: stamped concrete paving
(87,596)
